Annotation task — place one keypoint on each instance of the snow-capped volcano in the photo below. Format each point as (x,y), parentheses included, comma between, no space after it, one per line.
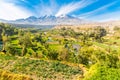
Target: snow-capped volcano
(49,20)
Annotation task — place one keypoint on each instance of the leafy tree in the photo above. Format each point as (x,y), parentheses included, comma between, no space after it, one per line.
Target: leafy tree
(4,39)
(10,49)
(63,55)
(99,33)
(25,41)
(102,72)
(52,54)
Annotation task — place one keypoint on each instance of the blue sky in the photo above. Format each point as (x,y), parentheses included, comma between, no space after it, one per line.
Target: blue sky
(100,10)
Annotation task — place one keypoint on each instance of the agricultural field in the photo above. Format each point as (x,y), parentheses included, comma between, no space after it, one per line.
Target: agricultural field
(60,53)
(38,69)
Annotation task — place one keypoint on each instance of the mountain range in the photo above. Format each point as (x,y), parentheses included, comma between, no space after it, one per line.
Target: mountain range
(48,20)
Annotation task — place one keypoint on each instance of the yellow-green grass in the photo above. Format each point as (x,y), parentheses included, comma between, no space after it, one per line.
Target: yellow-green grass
(57,47)
(108,46)
(6,75)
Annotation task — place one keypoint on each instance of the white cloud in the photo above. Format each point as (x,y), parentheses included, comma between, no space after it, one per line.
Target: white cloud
(97,10)
(10,11)
(107,16)
(66,9)
(46,9)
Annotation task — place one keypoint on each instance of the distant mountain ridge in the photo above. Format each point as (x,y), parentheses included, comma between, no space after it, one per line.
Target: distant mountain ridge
(48,20)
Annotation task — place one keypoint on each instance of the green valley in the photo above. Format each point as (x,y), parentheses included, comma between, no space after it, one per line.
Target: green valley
(60,53)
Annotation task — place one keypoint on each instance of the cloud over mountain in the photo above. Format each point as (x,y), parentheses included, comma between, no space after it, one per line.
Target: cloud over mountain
(11,12)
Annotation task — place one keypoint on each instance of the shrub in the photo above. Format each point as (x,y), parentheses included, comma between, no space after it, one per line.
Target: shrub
(4,75)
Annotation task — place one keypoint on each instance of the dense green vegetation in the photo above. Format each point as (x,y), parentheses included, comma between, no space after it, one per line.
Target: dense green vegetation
(93,51)
(102,72)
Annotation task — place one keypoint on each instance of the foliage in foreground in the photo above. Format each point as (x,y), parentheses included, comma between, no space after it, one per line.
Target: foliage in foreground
(102,72)
(39,69)
(5,75)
